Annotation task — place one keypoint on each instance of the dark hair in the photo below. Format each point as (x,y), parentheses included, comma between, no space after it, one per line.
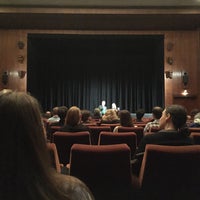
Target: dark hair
(62,112)
(97,113)
(26,172)
(86,114)
(140,113)
(125,118)
(157,112)
(178,115)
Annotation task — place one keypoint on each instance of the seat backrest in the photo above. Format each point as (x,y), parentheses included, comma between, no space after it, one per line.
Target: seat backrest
(54,156)
(106,169)
(51,129)
(196,137)
(129,138)
(95,131)
(64,141)
(170,172)
(112,126)
(138,130)
(194,129)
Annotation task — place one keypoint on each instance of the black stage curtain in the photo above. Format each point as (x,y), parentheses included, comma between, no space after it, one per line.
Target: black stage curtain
(83,70)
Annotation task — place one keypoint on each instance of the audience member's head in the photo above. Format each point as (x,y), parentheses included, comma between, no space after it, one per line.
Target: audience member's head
(173,117)
(139,114)
(97,113)
(157,112)
(55,110)
(197,119)
(73,116)
(110,116)
(125,118)
(62,112)
(86,116)
(47,114)
(194,112)
(26,172)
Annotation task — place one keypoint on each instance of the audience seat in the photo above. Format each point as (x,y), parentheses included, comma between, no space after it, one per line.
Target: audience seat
(64,141)
(138,130)
(129,138)
(194,129)
(54,156)
(112,126)
(196,137)
(51,129)
(170,172)
(95,131)
(106,169)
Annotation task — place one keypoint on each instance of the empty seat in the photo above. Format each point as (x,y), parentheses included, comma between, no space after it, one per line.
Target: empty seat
(55,163)
(138,130)
(64,141)
(170,172)
(106,169)
(196,137)
(95,131)
(129,138)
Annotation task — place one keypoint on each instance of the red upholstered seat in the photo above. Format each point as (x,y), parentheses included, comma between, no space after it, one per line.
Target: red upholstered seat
(138,130)
(54,156)
(106,169)
(194,129)
(95,131)
(196,137)
(64,141)
(129,138)
(170,172)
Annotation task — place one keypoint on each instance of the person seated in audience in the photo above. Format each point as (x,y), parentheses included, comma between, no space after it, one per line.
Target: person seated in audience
(73,121)
(156,113)
(62,112)
(86,116)
(26,171)
(139,115)
(110,117)
(103,107)
(47,114)
(190,117)
(173,131)
(196,122)
(45,117)
(96,114)
(55,118)
(125,120)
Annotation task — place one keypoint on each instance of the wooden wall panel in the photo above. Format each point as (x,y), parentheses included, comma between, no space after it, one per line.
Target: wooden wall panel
(9,54)
(185,59)
(185,54)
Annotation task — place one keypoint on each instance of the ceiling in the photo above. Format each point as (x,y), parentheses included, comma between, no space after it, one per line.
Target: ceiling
(100,14)
(100,3)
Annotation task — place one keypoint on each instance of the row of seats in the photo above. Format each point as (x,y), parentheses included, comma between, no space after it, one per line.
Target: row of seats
(64,141)
(101,135)
(167,172)
(95,131)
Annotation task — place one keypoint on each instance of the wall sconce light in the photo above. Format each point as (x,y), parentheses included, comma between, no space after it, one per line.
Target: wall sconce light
(5,77)
(21,74)
(170,60)
(170,46)
(20,59)
(168,74)
(185,92)
(20,45)
(185,79)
